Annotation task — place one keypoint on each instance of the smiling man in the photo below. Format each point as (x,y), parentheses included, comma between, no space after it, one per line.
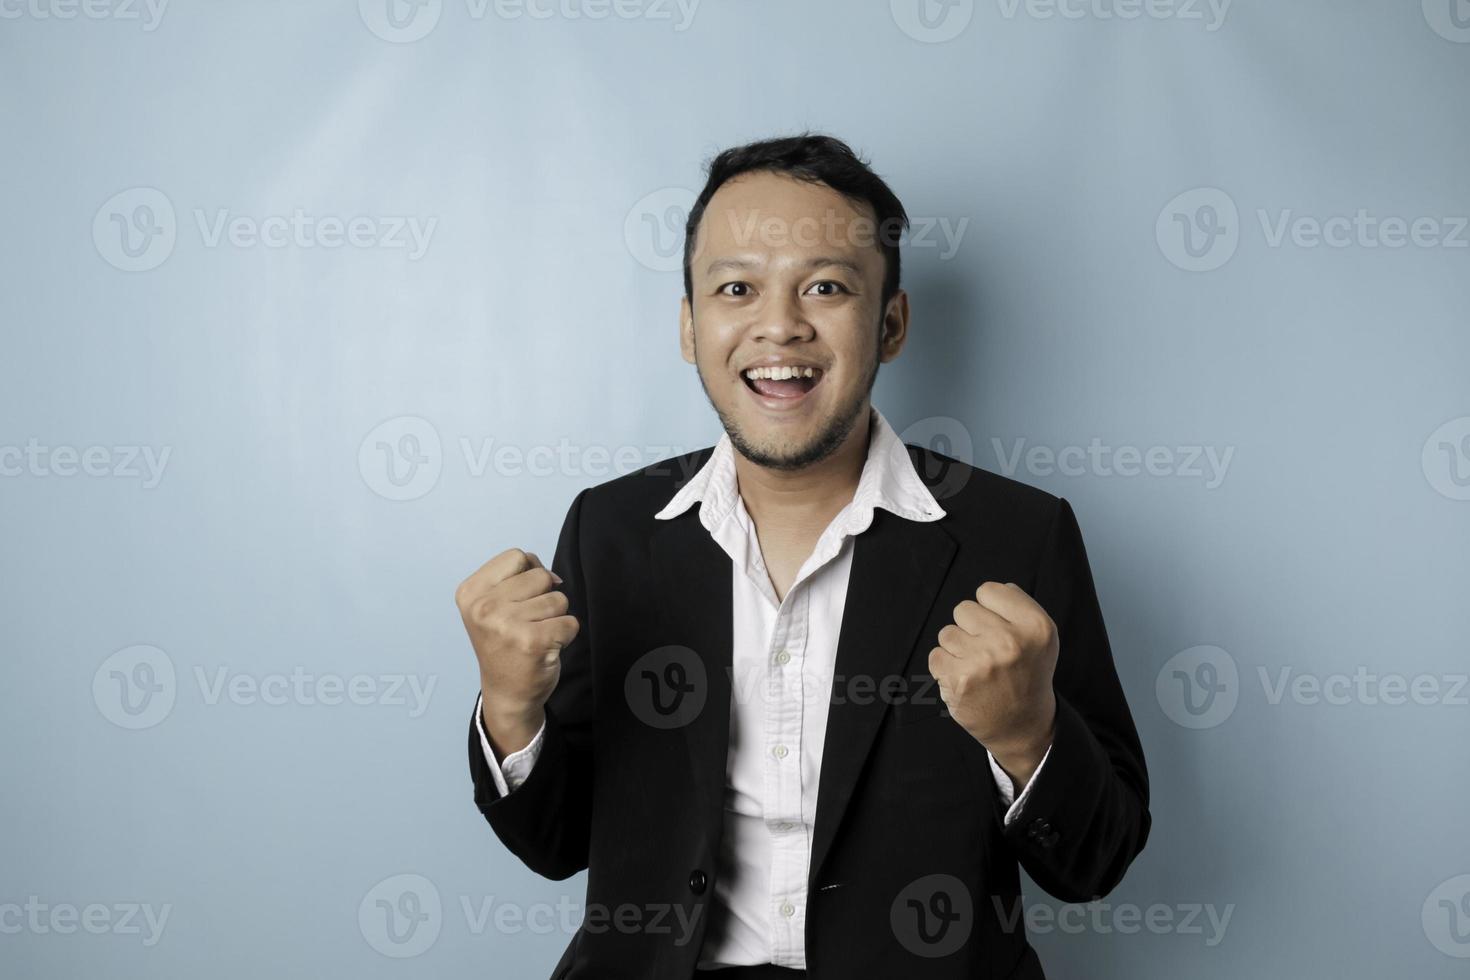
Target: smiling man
(803,703)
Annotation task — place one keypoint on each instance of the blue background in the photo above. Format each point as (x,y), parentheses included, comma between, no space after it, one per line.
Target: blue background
(326,411)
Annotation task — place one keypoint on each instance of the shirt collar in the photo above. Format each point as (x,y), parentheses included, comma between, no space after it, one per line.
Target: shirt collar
(888,480)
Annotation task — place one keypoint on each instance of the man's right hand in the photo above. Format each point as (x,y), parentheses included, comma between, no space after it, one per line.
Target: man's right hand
(518,624)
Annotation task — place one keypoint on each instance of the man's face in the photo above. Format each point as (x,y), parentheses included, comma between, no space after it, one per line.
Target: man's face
(788,275)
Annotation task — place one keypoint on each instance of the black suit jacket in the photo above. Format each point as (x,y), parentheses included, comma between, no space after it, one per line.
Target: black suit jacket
(912,873)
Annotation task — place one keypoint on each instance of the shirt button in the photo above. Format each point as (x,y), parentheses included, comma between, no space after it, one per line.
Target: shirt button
(787,909)
(783,658)
(697,881)
(779,752)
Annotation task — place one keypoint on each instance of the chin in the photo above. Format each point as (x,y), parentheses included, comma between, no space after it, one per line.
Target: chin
(789,447)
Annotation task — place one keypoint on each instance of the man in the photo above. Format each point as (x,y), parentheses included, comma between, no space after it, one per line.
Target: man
(802,702)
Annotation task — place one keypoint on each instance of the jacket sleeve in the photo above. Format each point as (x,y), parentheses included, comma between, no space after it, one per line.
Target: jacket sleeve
(510,772)
(1086,816)
(546,820)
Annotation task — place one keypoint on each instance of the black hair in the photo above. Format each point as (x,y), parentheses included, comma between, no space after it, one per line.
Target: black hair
(815,158)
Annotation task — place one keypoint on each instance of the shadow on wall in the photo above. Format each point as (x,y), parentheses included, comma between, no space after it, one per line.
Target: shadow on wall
(950,343)
(941,356)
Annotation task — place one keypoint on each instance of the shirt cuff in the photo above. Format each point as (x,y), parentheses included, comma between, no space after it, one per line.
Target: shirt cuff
(512,772)
(1007,788)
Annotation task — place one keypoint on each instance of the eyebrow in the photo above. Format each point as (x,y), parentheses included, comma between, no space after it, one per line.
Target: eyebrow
(720,265)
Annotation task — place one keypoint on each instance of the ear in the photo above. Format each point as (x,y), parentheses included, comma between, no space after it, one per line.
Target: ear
(686,330)
(895,326)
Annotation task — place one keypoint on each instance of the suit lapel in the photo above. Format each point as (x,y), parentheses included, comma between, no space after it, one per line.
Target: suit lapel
(897,568)
(695,579)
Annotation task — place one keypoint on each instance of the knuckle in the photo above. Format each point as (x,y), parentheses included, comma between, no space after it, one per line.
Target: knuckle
(513,638)
(1007,649)
(482,611)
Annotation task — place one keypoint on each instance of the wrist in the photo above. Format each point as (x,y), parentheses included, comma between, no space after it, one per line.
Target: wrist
(1026,748)
(509,726)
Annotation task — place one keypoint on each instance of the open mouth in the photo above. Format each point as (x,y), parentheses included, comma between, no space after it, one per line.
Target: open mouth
(782,385)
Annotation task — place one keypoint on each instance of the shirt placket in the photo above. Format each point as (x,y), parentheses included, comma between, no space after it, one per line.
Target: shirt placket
(785,660)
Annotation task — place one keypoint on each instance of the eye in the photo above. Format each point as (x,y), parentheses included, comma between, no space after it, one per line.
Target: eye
(836,288)
(743,287)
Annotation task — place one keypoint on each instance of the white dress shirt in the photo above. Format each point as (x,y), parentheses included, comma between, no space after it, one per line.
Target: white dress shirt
(784,653)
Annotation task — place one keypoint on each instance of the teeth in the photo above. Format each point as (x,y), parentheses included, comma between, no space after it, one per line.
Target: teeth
(782,373)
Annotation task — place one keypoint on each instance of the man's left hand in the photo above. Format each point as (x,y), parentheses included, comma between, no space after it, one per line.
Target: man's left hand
(994,665)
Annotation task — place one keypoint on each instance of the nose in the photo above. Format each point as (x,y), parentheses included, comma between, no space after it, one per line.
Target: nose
(782,320)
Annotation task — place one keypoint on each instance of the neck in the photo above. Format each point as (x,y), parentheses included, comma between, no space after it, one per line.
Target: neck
(809,497)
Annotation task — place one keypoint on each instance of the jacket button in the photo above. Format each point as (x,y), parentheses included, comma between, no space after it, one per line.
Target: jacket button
(697,882)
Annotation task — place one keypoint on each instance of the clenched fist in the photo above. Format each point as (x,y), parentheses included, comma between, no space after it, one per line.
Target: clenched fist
(994,665)
(518,624)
